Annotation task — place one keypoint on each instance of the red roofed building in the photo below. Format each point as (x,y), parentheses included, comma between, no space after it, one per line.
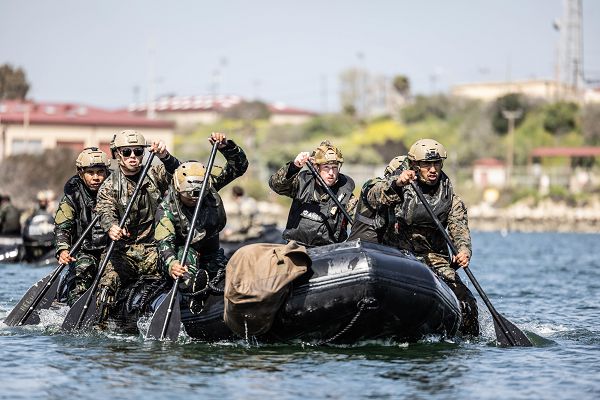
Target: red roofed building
(188,111)
(32,127)
(489,172)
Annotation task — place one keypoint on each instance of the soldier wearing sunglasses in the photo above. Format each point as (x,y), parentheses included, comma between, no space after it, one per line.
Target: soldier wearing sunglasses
(414,228)
(135,253)
(205,257)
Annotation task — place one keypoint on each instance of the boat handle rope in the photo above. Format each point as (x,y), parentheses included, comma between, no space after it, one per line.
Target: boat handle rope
(368,303)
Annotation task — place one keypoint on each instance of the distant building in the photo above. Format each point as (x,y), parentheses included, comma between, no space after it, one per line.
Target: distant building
(542,89)
(489,172)
(32,127)
(187,111)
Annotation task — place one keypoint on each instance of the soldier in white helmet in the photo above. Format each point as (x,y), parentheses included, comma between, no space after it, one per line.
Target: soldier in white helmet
(417,232)
(134,253)
(75,212)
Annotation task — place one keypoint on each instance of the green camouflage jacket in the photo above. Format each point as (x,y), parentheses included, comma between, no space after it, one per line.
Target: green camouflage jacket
(116,190)
(173,218)
(423,238)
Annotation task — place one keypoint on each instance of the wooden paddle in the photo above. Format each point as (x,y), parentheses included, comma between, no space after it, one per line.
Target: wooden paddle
(507,334)
(329,191)
(41,295)
(166,320)
(85,310)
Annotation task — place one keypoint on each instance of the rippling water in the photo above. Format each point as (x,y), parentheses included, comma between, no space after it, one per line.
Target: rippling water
(547,284)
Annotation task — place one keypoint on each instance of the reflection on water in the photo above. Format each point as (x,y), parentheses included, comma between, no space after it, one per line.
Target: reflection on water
(547,284)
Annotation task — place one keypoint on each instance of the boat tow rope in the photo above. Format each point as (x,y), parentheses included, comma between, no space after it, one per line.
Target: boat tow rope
(211,285)
(368,303)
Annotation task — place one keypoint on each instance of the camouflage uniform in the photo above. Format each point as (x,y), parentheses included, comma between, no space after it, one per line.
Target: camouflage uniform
(314,218)
(173,223)
(135,255)
(371,223)
(417,233)
(75,212)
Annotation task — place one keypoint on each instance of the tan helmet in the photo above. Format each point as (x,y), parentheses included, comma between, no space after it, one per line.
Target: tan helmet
(427,150)
(128,137)
(92,157)
(327,153)
(394,165)
(188,176)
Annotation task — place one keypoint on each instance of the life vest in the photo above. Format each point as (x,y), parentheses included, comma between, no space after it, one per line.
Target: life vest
(411,212)
(318,221)
(364,219)
(84,201)
(415,230)
(143,209)
(210,221)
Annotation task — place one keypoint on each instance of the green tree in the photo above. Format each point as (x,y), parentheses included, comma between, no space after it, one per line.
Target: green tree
(402,85)
(13,83)
(560,117)
(424,107)
(249,111)
(590,124)
(509,102)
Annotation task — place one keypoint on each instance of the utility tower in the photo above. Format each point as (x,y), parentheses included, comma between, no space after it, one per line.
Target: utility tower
(571,47)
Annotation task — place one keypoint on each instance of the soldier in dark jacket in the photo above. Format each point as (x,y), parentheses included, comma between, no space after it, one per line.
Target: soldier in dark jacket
(9,217)
(134,253)
(314,218)
(416,231)
(371,223)
(205,257)
(75,212)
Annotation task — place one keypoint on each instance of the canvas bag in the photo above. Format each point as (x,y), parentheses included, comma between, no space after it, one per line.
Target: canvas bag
(257,281)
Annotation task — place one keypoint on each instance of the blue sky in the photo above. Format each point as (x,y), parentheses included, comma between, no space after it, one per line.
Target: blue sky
(99,52)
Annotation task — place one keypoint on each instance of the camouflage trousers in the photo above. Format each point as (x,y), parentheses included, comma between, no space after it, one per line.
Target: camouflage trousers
(128,264)
(81,274)
(468,303)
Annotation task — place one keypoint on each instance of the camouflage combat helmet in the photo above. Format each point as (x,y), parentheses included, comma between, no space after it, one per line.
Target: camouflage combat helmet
(92,157)
(394,165)
(188,177)
(125,138)
(327,153)
(427,150)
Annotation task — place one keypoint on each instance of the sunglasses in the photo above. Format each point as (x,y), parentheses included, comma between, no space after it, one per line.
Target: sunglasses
(138,151)
(194,194)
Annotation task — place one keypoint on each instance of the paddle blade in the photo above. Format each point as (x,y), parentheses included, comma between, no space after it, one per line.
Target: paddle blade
(166,323)
(512,336)
(83,313)
(38,297)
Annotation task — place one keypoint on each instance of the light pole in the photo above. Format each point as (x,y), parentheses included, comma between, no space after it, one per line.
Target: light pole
(511,116)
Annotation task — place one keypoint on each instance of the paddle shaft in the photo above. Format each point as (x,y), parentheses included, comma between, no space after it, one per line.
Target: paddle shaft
(188,240)
(453,249)
(58,270)
(112,243)
(329,191)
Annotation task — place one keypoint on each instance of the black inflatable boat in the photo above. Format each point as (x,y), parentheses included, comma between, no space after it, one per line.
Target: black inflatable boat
(353,291)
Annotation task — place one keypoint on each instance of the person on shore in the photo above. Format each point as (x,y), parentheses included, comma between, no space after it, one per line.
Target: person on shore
(75,212)
(418,233)
(205,257)
(134,253)
(371,223)
(241,217)
(10,224)
(314,218)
